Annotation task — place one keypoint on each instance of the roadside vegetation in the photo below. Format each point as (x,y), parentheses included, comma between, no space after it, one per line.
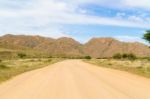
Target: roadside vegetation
(127,62)
(87,57)
(136,66)
(11,68)
(12,64)
(125,56)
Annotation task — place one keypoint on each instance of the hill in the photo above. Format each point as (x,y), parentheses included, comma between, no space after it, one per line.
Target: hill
(37,46)
(22,41)
(107,47)
(63,47)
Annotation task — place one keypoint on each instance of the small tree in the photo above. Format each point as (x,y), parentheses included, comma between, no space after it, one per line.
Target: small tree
(147,36)
(21,55)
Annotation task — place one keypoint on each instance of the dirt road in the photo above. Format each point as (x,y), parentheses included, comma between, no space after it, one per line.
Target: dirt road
(74,79)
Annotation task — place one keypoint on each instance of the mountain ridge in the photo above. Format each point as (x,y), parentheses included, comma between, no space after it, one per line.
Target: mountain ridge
(65,46)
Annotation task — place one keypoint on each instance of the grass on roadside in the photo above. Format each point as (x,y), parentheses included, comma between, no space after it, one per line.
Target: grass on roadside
(11,68)
(139,66)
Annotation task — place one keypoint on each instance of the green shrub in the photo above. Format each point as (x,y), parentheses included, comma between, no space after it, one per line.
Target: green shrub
(110,64)
(125,56)
(131,56)
(87,57)
(117,56)
(22,55)
(50,56)
(140,67)
(2,66)
(49,60)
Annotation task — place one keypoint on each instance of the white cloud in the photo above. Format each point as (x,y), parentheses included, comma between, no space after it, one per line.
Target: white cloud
(126,38)
(49,15)
(135,18)
(139,4)
(120,14)
(51,31)
(144,4)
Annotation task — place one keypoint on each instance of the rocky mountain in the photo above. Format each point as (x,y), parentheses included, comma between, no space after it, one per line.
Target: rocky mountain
(22,41)
(62,47)
(107,47)
(68,47)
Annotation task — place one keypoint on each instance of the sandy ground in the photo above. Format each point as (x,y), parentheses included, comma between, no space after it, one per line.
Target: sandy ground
(74,79)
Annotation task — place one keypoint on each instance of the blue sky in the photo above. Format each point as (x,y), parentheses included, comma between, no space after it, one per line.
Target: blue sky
(125,20)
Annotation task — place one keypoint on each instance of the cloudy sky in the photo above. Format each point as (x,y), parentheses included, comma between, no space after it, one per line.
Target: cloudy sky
(125,20)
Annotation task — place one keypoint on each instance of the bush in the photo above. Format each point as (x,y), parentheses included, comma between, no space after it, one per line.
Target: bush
(2,66)
(117,56)
(0,60)
(87,57)
(22,55)
(131,56)
(50,56)
(49,60)
(125,56)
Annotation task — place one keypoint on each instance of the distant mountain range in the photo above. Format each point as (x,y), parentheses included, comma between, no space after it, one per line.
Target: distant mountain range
(68,47)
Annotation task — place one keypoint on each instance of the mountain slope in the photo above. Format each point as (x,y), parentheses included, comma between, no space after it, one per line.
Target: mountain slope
(62,47)
(68,47)
(107,47)
(22,40)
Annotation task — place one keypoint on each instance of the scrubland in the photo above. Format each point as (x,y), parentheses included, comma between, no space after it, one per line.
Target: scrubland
(138,66)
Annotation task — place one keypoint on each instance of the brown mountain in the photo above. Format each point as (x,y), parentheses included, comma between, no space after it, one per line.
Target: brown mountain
(62,47)
(68,47)
(22,40)
(107,47)
(15,44)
